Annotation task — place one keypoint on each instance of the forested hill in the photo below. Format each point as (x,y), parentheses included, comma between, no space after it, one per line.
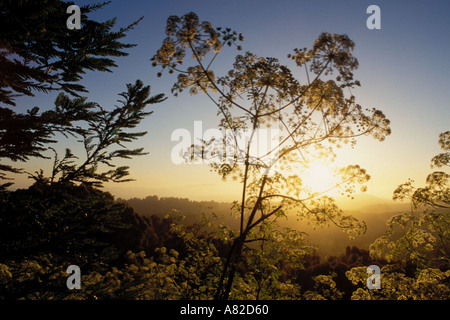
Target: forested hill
(153,205)
(330,240)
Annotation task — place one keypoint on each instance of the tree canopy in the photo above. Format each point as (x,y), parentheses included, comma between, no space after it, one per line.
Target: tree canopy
(39,53)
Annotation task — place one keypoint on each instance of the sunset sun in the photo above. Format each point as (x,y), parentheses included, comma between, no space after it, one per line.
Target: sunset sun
(319,177)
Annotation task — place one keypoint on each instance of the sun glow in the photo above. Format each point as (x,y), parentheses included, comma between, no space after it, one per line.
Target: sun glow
(319,178)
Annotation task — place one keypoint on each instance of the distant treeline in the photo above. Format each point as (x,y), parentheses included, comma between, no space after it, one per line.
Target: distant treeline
(330,241)
(160,206)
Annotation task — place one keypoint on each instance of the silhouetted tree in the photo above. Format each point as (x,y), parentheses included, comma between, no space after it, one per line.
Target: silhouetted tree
(260,92)
(102,131)
(63,218)
(39,53)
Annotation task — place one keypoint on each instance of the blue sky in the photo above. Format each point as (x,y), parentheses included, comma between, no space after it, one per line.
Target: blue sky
(404,71)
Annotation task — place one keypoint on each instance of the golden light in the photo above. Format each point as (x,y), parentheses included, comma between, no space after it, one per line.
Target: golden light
(319,177)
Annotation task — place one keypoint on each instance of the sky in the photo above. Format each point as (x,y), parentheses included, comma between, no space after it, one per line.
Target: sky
(404,71)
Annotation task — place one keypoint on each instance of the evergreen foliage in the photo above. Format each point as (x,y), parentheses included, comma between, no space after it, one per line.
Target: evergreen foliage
(39,53)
